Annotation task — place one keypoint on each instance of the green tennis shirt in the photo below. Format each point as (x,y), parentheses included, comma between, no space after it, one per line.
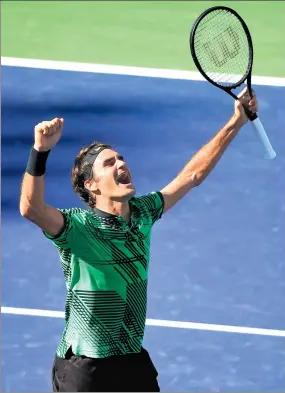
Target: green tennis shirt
(105,263)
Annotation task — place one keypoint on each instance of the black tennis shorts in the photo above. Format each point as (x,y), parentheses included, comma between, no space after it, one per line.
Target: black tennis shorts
(125,373)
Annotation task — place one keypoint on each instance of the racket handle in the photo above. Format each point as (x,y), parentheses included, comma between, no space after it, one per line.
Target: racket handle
(261,133)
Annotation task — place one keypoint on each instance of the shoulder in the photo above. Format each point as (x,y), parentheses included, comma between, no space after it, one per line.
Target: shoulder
(151,204)
(154,198)
(72,217)
(73,212)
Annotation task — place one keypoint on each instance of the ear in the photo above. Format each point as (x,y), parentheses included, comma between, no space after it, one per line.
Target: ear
(91,185)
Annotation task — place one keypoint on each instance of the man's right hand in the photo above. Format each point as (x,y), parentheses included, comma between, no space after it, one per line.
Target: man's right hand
(47,134)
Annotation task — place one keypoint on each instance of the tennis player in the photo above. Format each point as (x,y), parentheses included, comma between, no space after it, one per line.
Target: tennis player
(104,254)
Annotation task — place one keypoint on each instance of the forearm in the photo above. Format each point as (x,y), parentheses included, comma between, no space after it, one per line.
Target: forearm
(32,195)
(32,201)
(32,188)
(205,160)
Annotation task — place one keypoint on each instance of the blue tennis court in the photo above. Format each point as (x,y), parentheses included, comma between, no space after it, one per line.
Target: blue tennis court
(217,257)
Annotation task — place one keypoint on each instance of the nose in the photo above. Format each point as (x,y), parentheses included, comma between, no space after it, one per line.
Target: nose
(121,164)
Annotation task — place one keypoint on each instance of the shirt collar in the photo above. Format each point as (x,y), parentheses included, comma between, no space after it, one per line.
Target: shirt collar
(101,213)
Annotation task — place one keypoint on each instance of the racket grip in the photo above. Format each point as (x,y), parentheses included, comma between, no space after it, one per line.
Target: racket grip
(261,133)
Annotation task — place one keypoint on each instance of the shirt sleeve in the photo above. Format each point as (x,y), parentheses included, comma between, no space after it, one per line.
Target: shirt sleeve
(65,238)
(152,205)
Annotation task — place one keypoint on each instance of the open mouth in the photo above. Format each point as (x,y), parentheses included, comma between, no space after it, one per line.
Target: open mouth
(124,178)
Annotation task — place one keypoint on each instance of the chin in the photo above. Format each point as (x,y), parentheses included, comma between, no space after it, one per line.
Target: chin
(130,190)
(126,192)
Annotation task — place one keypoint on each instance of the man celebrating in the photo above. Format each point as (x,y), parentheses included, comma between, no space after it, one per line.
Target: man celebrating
(104,254)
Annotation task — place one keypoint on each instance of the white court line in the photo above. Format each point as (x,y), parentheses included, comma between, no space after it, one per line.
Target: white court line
(124,70)
(157,322)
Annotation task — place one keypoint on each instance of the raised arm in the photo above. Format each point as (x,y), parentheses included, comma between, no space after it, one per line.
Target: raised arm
(32,201)
(205,160)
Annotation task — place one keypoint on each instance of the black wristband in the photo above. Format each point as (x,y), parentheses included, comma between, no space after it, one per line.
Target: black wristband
(36,165)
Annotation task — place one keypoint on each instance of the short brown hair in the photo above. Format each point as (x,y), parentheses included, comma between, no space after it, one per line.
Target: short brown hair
(79,171)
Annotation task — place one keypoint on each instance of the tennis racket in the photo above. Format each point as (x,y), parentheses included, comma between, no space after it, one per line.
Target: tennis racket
(222,50)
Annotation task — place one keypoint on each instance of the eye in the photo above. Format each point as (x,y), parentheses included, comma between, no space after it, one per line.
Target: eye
(109,162)
(121,158)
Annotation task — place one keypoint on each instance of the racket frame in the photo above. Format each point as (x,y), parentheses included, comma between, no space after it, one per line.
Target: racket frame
(247,75)
(257,125)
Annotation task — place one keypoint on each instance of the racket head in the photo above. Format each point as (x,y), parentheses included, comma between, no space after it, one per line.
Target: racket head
(221,48)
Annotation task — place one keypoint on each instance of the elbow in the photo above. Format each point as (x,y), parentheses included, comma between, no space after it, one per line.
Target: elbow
(27,211)
(197,178)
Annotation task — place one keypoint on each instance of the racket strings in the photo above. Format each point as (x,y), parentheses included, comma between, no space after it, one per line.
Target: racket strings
(222,47)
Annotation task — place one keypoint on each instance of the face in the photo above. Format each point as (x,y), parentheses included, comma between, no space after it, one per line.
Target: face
(111,177)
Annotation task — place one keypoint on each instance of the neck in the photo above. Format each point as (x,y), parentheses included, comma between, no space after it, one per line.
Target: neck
(114,207)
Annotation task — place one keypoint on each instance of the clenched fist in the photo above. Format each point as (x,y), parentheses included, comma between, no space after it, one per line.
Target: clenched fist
(47,134)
